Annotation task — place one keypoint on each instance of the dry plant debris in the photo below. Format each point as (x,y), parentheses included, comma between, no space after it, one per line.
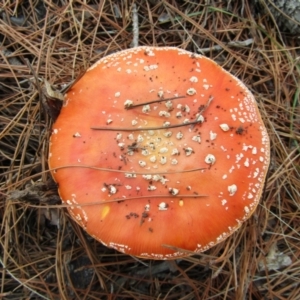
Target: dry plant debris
(61,39)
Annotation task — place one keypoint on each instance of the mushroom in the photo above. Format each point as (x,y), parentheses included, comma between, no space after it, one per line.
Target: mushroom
(159,150)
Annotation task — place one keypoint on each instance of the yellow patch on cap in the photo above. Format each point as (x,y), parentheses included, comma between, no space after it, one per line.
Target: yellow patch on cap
(105,211)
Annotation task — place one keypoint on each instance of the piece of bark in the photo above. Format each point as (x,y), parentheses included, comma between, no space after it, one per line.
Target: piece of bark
(37,192)
(286,14)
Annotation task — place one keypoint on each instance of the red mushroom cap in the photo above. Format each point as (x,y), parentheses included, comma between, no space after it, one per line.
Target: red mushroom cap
(159,146)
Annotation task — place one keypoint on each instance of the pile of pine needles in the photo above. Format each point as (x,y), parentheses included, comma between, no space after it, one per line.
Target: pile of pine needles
(43,253)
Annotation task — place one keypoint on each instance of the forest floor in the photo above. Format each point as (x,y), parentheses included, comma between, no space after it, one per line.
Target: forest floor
(44,254)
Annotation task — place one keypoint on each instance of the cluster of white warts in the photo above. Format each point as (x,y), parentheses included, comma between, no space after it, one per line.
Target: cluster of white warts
(236,113)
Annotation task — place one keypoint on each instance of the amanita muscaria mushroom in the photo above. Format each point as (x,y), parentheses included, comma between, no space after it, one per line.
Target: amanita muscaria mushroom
(157,150)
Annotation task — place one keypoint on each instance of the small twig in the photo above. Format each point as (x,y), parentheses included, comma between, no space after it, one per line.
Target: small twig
(232,44)
(200,118)
(204,108)
(126,172)
(153,101)
(146,128)
(135,26)
(168,196)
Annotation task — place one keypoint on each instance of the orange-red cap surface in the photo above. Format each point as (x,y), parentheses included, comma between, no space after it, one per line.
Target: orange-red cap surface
(138,174)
